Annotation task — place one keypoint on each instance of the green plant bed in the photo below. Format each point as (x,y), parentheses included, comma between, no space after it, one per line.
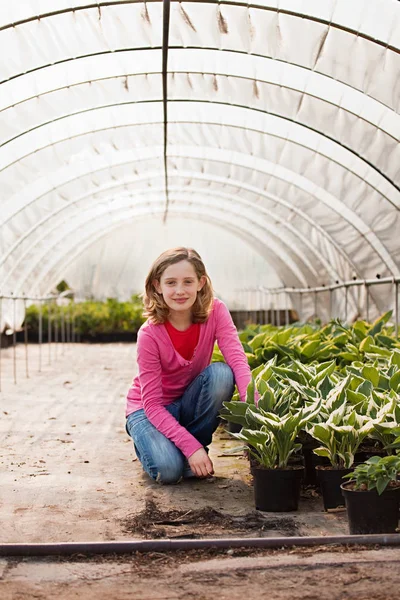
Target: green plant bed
(88,319)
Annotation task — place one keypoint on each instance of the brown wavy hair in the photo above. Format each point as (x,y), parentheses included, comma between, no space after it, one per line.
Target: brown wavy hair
(155,308)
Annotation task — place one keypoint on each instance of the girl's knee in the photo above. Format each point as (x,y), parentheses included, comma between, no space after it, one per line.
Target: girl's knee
(169,476)
(222,378)
(168,472)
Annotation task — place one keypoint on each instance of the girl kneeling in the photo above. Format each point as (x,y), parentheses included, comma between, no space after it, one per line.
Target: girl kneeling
(174,401)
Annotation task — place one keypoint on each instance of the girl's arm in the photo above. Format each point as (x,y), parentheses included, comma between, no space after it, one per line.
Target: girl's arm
(150,374)
(232,349)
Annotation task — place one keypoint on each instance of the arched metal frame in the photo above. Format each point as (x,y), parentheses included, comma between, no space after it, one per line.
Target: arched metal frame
(248,225)
(112,189)
(251,164)
(256,240)
(377,174)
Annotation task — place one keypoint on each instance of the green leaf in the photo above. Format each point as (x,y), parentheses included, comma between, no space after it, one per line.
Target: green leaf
(251,359)
(310,348)
(361,326)
(250,393)
(348,459)
(366,344)
(325,386)
(235,408)
(328,370)
(257,370)
(395,358)
(290,374)
(381,485)
(355,397)
(371,374)
(253,437)
(265,371)
(377,350)
(379,323)
(349,356)
(385,340)
(322,452)
(337,395)
(321,433)
(247,347)
(267,400)
(365,388)
(257,341)
(395,381)
(384,383)
(341,339)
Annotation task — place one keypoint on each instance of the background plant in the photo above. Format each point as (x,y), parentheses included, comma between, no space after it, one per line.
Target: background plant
(90,317)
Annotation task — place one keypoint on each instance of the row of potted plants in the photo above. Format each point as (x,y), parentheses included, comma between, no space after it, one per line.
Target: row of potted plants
(331,410)
(309,342)
(92,320)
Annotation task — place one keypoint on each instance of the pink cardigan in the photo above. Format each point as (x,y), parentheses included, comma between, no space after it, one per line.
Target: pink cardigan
(164,374)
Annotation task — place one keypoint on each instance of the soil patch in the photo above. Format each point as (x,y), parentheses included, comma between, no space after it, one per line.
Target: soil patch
(152,522)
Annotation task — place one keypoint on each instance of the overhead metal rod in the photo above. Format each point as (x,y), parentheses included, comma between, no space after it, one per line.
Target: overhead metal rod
(219,103)
(252,225)
(208,123)
(228,75)
(241,203)
(186,122)
(230,181)
(112,188)
(254,242)
(30,297)
(296,14)
(166,16)
(335,286)
(189,47)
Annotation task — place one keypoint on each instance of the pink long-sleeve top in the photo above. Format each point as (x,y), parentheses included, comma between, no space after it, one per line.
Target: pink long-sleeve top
(163,375)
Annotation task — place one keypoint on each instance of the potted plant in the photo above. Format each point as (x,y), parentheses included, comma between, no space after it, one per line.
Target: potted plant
(271,445)
(372,496)
(340,437)
(258,391)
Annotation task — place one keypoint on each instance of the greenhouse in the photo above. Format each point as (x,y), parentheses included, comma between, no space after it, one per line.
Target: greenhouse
(265,136)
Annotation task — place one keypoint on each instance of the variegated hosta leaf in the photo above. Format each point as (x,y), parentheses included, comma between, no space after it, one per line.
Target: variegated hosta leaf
(322,433)
(336,416)
(337,396)
(394,381)
(342,428)
(250,394)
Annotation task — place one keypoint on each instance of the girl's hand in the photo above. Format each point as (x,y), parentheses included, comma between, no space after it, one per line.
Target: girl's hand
(200,464)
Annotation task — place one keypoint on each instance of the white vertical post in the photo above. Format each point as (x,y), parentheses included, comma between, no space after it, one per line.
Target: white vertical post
(26,342)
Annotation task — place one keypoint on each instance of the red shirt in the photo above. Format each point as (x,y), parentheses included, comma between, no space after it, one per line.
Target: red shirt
(184,342)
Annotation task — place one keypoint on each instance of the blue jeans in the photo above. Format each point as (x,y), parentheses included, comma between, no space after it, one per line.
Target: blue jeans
(197,410)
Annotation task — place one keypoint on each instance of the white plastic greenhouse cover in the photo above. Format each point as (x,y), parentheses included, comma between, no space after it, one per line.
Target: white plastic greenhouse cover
(264,134)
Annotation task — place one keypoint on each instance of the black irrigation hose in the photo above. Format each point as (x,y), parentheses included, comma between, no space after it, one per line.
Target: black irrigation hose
(156,545)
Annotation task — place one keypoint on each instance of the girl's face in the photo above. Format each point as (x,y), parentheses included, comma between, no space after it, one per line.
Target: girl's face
(179,285)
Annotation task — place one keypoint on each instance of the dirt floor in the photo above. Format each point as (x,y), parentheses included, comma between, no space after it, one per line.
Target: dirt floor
(69,473)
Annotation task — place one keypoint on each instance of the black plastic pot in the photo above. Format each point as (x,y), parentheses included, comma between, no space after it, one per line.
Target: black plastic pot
(311,461)
(368,512)
(330,481)
(277,490)
(234,427)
